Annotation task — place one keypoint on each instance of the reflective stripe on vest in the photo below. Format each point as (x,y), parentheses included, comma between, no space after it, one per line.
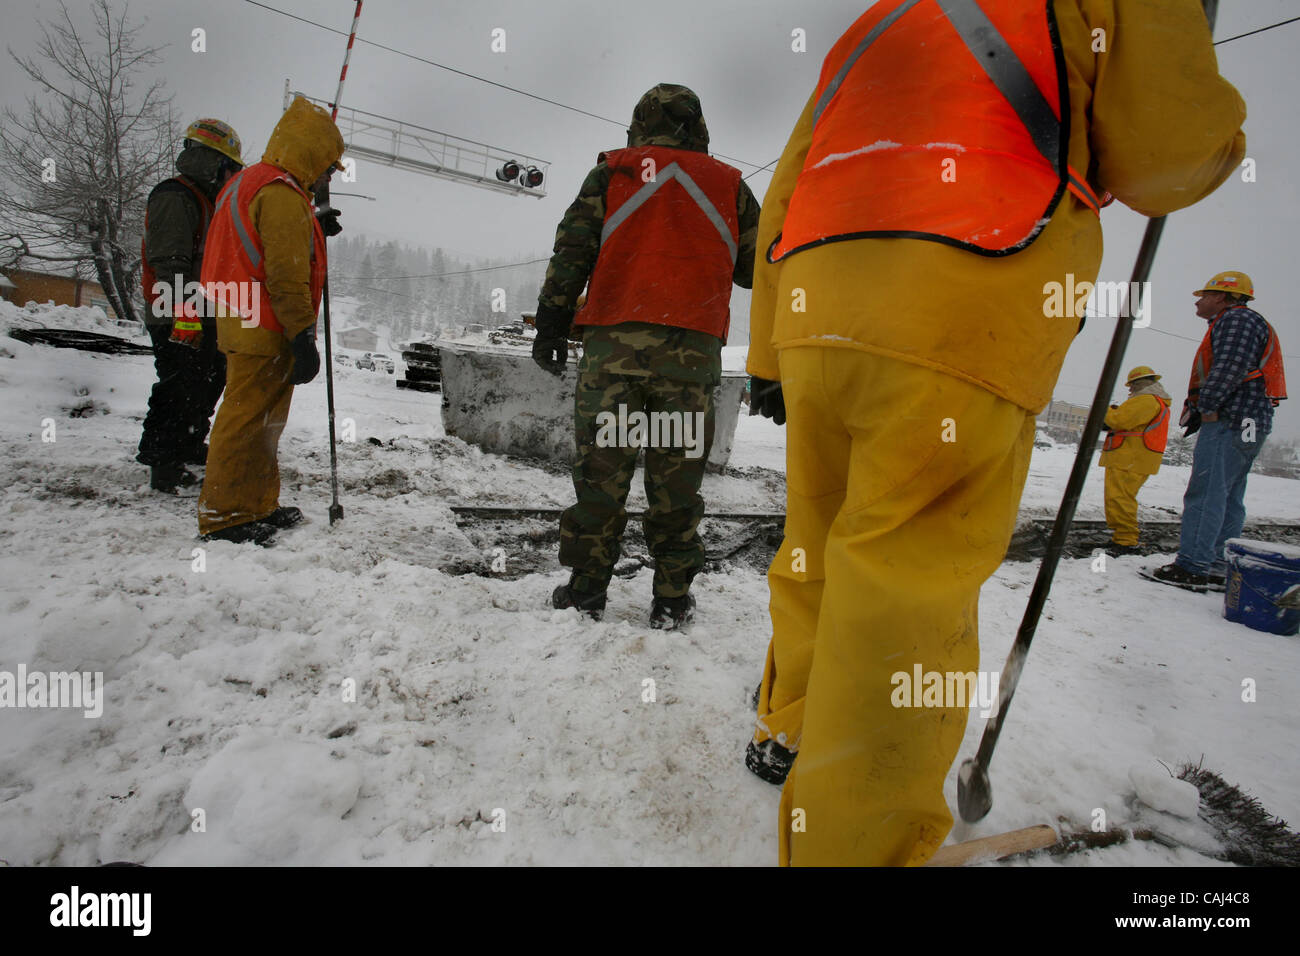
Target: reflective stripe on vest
(668,245)
(230,198)
(148,277)
(858,181)
(1270,367)
(672,172)
(1155,434)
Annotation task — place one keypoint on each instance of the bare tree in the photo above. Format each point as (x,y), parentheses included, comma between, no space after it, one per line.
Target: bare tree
(83,157)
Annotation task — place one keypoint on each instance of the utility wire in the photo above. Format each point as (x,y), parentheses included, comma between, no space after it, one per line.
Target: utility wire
(605,119)
(1187,338)
(462,272)
(1271,26)
(472,76)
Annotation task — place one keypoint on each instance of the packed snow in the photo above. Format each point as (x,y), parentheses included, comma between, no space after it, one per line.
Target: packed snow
(339,699)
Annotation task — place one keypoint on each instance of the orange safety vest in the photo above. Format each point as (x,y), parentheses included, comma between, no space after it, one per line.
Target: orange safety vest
(970,150)
(1155,434)
(1269,369)
(149,278)
(669,243)
(234,251)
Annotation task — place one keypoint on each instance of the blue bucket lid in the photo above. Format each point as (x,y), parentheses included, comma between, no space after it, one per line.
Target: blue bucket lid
(1283,555)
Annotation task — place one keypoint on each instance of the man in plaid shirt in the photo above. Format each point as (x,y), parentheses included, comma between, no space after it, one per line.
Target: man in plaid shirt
(1233,387)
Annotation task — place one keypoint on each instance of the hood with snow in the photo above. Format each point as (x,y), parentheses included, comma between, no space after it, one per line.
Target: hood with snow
(669,115)
(1152,388)
(304,143)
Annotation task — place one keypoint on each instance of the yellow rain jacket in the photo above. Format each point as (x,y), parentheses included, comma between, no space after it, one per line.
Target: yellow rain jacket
(911,374)
(1134,415)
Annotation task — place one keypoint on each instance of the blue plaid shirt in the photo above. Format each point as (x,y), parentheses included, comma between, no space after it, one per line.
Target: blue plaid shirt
(1238,342)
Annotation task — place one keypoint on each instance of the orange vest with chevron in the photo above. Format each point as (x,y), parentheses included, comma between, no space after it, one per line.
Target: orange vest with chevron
(669,242)
(234,266)
(944,120)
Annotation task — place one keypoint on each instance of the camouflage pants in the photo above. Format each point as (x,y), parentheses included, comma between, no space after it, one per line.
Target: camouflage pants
(679,417)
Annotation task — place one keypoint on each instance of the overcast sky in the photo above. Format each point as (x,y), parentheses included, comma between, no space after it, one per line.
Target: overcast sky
(600,57)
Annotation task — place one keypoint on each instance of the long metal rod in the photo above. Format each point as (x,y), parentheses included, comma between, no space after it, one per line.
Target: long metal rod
(347,55)
(322,202)
(974,789)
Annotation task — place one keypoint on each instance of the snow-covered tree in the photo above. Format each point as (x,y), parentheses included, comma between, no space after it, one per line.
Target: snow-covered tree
(80,160)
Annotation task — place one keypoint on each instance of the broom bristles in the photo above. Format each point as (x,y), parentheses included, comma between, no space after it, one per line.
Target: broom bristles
(1251,835)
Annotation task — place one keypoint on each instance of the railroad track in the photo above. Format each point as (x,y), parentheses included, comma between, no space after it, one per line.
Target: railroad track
(752,537)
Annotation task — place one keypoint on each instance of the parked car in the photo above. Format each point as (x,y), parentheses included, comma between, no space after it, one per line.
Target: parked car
(375,361)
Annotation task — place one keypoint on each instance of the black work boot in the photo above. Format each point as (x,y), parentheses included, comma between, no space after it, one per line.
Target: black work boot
(258,532)
(670,613)
(769,761)
(590,603)
(283,517)
(1121,550)
(170,478)
(1180,577)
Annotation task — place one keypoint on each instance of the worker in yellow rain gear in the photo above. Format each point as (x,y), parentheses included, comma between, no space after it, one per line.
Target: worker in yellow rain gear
(1135,446)
(943,180)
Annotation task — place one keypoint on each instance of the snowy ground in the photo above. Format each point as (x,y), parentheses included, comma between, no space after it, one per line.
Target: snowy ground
(474,700)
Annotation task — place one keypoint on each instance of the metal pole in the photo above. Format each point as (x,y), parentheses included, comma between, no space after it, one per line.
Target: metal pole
(322,203)
(974,789)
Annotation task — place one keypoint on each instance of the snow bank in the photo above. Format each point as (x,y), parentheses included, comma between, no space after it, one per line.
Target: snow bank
(226,686)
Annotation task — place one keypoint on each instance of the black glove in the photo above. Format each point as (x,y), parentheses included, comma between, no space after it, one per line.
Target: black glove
(329,220)
(306,360)
(551,347)
(766,399)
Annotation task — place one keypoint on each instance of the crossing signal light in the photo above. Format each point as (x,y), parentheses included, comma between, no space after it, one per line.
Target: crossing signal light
(509,172)
(531,177)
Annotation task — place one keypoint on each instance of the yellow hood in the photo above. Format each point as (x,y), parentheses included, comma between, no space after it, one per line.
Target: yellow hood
(304,143)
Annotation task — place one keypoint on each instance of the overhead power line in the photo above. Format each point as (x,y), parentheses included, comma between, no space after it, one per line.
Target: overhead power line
(1271,26)
(472,76)
(605,119)
(462,272)
(1187,338)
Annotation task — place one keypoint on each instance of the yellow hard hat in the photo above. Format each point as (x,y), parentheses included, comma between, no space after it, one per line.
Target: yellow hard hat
(217,135)
(1236,282)
(1141,371)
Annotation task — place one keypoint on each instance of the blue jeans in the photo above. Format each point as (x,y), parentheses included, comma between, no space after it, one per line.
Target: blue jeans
(1213,507)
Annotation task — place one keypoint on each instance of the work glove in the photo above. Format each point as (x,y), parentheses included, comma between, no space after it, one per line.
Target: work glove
(1190,419)
(766,399)
(551,347)
(328,217)
(306,360)
(187,326)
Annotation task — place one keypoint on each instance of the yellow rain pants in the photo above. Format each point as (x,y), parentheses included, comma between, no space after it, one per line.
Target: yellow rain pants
(242,479)
(903,486)
(1122,505)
